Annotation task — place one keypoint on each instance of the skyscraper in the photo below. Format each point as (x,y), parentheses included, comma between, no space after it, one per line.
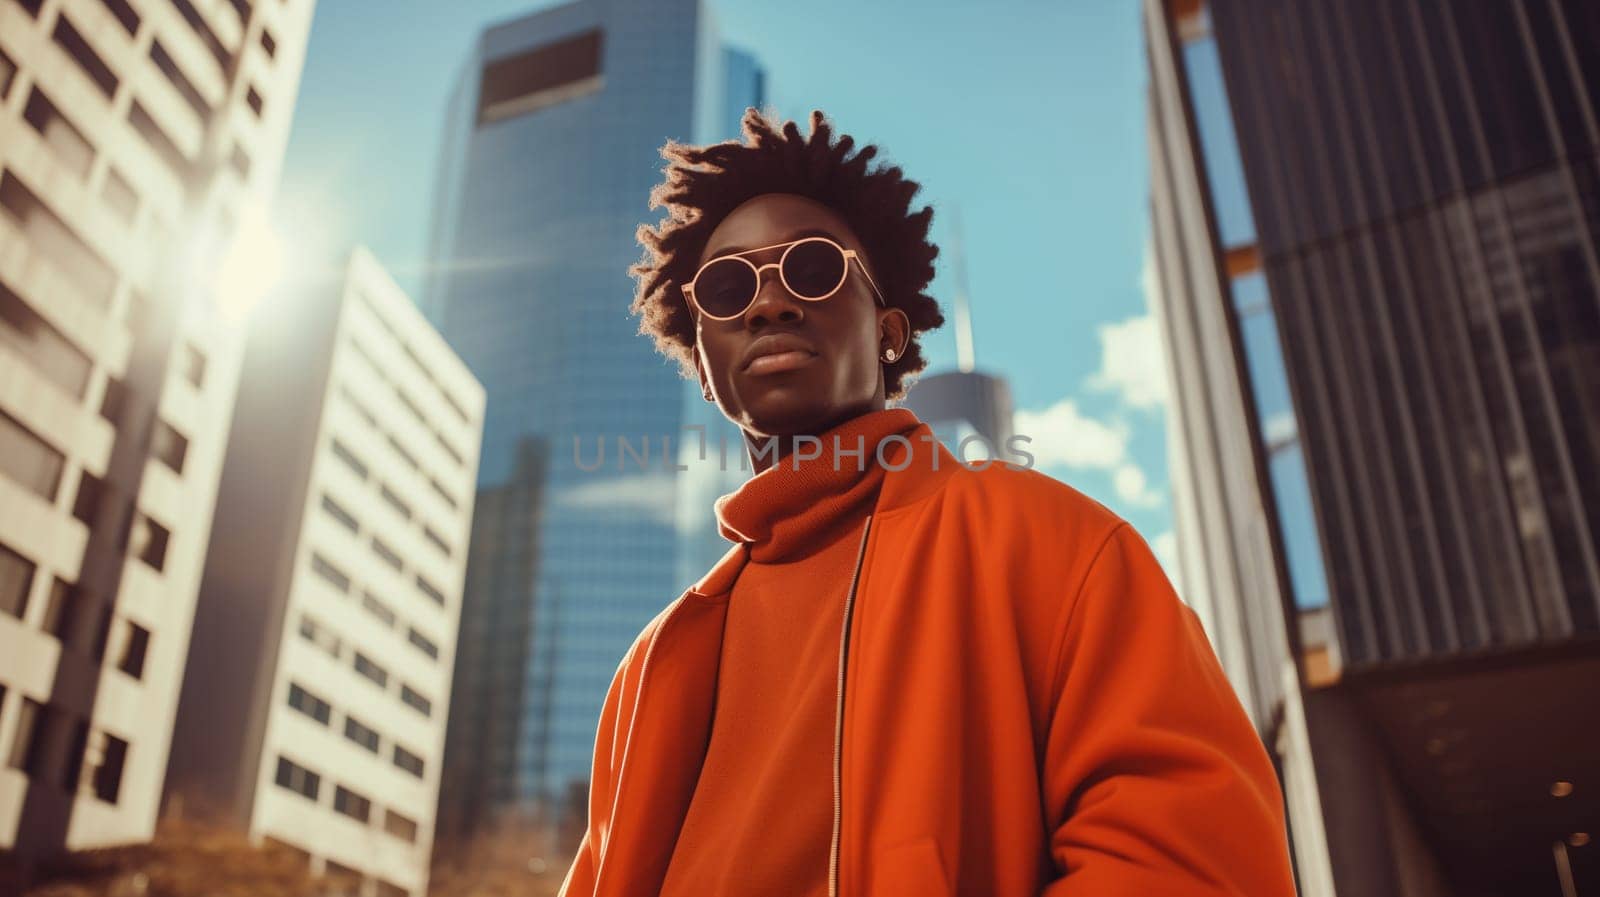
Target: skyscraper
(1375,233)
(318,683)
(138,141)
(550,152)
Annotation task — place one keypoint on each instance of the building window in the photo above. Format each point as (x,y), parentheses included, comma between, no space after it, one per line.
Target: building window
(360,734)
(386,553)
(343,879)
(357,405)
(367,668)
(124,15)
(383,613)
(70,148)
(26,459)
(92,278)
(344,453)
(105,758)
(437,540)
(352,804)
(423,643)
(321,636)
(401,827)
(408,761)
(86,505)
(430,590)
(540,77)
(333,575)
(309,704)
(68,38)
(120,197)
(297,778)
(334,510)
(239,161)
(8,73)
(180,81)
(252,97)
(26,745)
(148,541)
(16,579)
(410,459)
(42,345)
(135,645)
(159,142)
(416,701)
(168,445)
(1219,144)
(395,501)
(114,401)
(390,889)
(449,449)
(62,610)
(203,30)
(446,496)
(193,366)
(268,43)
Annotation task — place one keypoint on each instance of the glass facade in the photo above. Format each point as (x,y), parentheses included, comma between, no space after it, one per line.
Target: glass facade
(549,155)
(1424,179)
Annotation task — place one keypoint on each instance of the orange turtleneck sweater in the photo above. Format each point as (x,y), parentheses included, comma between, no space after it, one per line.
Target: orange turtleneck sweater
(761,820)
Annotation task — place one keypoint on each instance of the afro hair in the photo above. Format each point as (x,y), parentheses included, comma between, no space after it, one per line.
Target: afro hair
(705,183)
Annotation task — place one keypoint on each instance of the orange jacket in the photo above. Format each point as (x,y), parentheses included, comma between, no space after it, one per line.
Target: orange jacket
(1025,708)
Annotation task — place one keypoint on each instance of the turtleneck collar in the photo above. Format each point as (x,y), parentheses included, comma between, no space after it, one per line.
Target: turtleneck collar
(793,508)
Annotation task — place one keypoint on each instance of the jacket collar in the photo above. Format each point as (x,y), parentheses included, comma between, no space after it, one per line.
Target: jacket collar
(926,465)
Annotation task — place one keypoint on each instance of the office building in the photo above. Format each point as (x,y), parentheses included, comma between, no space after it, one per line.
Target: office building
(550,152)
(318,681)
(1375,234)
(138,142)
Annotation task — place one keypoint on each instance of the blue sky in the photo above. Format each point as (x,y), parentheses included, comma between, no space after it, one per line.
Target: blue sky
(1026,116)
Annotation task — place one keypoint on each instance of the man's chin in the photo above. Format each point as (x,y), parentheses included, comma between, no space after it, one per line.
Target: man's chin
(783,411)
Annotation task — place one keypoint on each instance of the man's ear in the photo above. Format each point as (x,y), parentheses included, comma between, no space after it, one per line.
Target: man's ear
(894,332)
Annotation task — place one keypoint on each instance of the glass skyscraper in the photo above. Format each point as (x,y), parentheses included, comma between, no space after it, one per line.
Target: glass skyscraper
(550,151)
(1375,230)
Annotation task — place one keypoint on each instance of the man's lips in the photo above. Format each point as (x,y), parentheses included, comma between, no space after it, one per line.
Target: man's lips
(778,352)
(779,362)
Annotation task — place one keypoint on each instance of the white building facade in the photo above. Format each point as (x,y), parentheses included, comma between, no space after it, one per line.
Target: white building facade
(135,138)
(314,709)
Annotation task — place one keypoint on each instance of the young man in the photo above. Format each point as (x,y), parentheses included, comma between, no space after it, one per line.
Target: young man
(909,676)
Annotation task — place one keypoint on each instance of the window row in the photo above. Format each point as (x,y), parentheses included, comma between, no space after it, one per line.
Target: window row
(416,360)
(409,403)
(82,625)
(329,641)
(308,784)
(400,451)
(55,747)
(377,607)
(320,711)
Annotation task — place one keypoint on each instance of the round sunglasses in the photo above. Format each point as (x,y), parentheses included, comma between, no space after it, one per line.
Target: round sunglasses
(811,268)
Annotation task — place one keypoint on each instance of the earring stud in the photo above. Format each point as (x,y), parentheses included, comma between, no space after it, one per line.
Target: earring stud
(890,355)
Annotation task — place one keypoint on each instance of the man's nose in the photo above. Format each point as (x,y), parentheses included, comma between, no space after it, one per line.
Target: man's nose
(773,301)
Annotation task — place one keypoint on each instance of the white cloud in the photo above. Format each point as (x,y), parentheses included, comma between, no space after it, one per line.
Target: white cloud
(1062,436)
(1133,487)
(1133,363)
(652,495)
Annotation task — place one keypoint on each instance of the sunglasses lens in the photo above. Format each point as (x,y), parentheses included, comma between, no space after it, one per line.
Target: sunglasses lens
(814,268)
(725,287)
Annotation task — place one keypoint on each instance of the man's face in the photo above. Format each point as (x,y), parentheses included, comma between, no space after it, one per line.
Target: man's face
(788,366)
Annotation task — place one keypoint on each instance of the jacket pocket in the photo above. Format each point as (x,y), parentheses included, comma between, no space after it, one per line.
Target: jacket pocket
(910,869)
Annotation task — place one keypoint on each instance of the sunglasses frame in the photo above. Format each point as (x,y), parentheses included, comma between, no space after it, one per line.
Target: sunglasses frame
(849,255)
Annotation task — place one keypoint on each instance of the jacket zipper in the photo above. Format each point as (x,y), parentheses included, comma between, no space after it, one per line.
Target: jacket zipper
(838,720)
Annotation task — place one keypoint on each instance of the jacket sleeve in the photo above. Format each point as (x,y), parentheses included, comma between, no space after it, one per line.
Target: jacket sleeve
(615,715)
(1155,780)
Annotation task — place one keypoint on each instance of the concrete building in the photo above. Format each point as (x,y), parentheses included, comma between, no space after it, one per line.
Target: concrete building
(138,141)
(1375,236)
(318,682)
(550,151)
